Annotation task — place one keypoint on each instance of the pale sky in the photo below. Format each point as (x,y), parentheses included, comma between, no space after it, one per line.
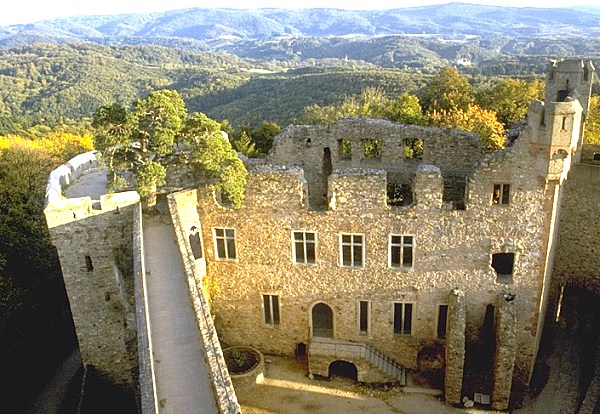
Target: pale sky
(32,11)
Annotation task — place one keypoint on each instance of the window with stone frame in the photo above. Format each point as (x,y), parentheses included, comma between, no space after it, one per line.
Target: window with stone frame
(352,250)
(401,251)
(403,318)
(271,311)
(225,243)
(501,194)
(304,246)
(364,317)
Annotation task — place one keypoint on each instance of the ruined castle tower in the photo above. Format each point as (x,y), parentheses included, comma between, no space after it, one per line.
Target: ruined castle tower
(94,240)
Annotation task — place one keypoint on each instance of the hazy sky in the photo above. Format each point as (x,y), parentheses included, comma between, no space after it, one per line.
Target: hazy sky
(32,11)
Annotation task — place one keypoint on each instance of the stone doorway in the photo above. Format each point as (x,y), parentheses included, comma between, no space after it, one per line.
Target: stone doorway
(322,321)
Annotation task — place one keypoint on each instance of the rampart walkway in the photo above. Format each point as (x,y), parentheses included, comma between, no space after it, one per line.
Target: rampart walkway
(182,376)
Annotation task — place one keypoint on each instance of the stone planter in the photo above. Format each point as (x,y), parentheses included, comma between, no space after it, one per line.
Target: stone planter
(246,365)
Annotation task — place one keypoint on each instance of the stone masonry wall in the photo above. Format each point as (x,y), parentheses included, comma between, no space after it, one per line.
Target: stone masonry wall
(578,251)
(455,153)
(453,250)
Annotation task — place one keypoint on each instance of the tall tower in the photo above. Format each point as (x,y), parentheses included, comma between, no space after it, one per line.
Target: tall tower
(558,122)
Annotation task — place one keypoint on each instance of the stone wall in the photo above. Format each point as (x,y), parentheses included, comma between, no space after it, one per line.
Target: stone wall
(94,243)
(146,380)
(455,347)
(453,250)
(455,153)
(578,250)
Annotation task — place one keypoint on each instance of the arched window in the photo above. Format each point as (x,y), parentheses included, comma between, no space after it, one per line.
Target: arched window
(195,242)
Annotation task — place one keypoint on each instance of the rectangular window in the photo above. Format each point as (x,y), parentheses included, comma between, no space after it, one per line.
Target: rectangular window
(88,264)
(345,149)
(401,251)
(225,243)
(271,310)
(372,148)
(364,316)
(403,318)
(442,321)
(304,246)
(352,250)
(501,194)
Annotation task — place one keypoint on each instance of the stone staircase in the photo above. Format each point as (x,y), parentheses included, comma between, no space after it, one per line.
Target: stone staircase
(327,349)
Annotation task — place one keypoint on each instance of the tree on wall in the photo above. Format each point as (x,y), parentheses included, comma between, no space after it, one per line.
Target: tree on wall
(142,141)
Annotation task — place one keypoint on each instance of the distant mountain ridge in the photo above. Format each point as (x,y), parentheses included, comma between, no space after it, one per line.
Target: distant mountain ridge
(209,28)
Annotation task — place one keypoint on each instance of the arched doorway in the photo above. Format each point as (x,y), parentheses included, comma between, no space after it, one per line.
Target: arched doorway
(343,369)
(322,321)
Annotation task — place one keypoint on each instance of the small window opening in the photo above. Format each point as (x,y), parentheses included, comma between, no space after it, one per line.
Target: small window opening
(501,194)
(562,95)
(301,350)
(596,156)
(88,264)
(413,148)
(442,322)
(399,195)
(345,149)
(372,148)
(564,124)
(271,310)
(363,317)
(503,264)
(403,318)
(195,242)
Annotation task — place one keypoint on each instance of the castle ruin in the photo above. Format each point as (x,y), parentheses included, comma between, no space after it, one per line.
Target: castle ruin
(390,247)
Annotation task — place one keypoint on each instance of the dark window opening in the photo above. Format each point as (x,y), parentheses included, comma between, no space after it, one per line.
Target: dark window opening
(562,95)
(363,316)
(345,149)
(403,318)
(195,243)
(442,322)
(88,264)
(225,241)
(322,321)
(352,250)
(501,194)
(564,124)
(413,148)
(399,195)
(503,264)
(372,148)
(596,156)
(304,247)
(271,309)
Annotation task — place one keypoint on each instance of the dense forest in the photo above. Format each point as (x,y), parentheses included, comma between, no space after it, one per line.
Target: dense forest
(52,96)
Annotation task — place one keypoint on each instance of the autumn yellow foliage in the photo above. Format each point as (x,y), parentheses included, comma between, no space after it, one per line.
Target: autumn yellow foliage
(483,122)
(60,145)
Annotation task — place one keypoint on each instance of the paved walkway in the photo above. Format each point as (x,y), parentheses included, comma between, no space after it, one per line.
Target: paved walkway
(182,376)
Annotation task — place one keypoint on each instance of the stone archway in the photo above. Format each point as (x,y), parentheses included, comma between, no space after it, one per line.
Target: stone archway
(322,321)
(343,369)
